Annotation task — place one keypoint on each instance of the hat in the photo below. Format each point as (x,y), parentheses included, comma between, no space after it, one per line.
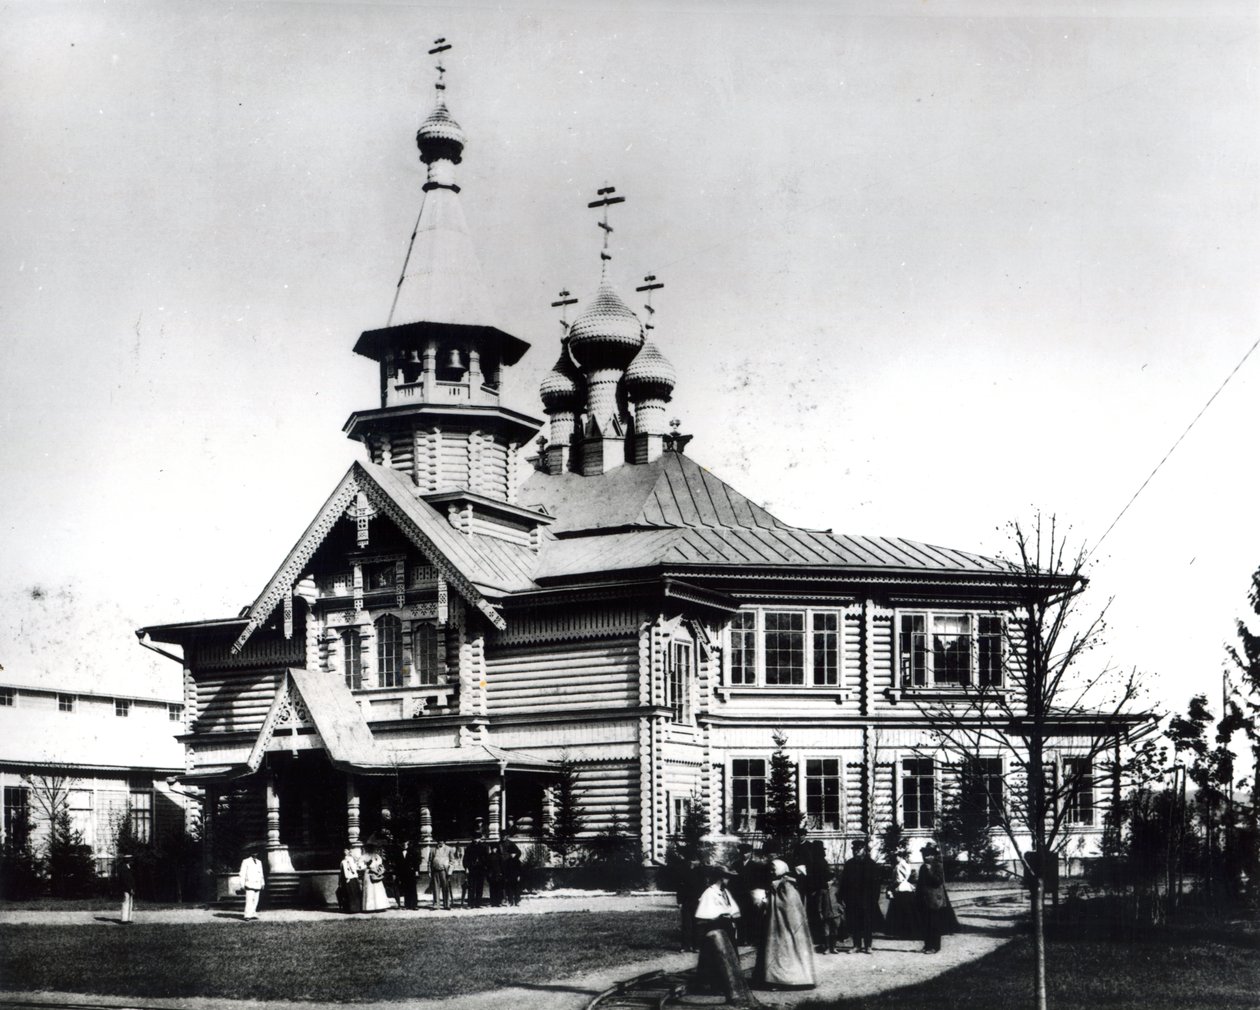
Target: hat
(930,849)
(723,871)
(779,868)
(860,845)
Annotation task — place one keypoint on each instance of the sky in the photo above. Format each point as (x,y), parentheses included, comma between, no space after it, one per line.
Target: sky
(929,268)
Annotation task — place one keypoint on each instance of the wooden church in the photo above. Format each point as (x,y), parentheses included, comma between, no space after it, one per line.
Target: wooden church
(459,617)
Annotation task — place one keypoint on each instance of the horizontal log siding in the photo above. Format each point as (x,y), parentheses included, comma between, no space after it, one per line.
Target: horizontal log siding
(235,701)
(885,796)
(609,791)
(453,461)
(512,534)
(851,673)
(601,674)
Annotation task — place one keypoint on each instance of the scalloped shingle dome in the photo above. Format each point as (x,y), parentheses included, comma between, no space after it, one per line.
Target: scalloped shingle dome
(650,374)
(440,136)
(561,387)
(606,333)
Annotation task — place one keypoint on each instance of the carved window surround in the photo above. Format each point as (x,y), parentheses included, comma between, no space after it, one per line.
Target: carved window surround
(968,694)
(840,696)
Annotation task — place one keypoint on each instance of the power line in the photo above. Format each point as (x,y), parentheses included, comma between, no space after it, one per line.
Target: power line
(1152,474)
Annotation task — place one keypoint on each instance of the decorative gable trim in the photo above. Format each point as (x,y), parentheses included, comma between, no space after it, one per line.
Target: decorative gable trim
(289,711)
(346,499)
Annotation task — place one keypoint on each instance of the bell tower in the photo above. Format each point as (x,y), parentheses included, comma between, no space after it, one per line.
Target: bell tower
(440,355)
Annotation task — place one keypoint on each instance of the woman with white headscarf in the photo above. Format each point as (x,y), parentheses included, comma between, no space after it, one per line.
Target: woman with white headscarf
(785,959)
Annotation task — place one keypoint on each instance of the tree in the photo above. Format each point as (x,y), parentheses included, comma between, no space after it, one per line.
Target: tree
(966,819)
(67,858)
(566,822)
(893,843)
(1246,694)
(783,819)
(695,825)
(1045,706)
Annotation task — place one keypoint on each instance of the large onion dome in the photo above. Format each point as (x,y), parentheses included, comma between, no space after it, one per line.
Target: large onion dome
(440,137)
(650,375)
(561,387)
(606,334)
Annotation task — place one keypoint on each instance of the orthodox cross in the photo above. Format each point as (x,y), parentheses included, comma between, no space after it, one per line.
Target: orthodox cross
(650,284)
(606,200)
(440,46)
(565,300)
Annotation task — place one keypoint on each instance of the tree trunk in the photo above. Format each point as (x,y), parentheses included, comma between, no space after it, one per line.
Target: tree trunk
(1039,943)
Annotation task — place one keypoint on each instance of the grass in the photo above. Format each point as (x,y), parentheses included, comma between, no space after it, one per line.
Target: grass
(351,959)
(1187,965)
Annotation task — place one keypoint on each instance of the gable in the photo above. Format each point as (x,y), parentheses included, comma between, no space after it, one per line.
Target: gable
(361,497)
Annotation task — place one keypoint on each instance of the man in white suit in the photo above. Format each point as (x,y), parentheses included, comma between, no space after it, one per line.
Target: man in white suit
(252,881)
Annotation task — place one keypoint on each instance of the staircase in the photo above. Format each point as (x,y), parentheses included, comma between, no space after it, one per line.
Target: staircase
(281,890)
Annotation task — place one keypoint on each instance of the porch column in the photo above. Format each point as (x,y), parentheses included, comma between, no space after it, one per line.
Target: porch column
(209,800)
(494,796)
(273,811)
(426,816)
(352,813)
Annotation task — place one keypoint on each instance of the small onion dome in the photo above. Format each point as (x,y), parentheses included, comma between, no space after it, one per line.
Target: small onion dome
(650,375)
(606,334)
(440,136)
(561,389)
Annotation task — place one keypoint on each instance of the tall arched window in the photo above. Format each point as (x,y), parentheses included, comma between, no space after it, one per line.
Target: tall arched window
(352,657)
(389,651)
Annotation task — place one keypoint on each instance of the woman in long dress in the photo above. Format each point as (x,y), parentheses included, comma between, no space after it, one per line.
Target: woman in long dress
(786,957)
(375,897)
(903,920)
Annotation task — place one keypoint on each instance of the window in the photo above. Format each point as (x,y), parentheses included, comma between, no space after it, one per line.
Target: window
(950,650)
(744,648)
(989,771)
(678,680)
(65,703)
(80,805)
(352,657)
(389,651)
(140,814)
(8,697)
(748,793)
(822,793)
(17,815)
(425,654)
(122,708)
(1079,782)
(175,713)
(785,648)
(918,793)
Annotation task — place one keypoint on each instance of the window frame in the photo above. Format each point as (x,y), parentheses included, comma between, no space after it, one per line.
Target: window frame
(679,681)
(744,671)
(804,790)
(350,640)
(428,659)
(752,823)
(122,708)
(8,697)
(67,703)
(904,672)
(932,778)
(390,675)
(1077,786)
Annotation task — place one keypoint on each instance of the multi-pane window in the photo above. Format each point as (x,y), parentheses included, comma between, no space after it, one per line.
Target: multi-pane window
(352,657)
(678,680)
(822,793)
(17,814)
(950,650)
(785,648)
(1078,776)
(140,814)
(424,651)
(175,713)
(744,648)
(8,697)
(65,703)
(389,651)
(80,806)
(826,649)
(918,793)
(748,793)
(122,707)
(989,636)
(989,774)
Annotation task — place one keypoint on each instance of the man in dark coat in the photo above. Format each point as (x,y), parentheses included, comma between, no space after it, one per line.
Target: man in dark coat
(933,901)
(474,870)
(859,890)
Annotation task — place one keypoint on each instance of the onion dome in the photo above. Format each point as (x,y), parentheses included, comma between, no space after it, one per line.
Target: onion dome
(650,375)
(561,387)
(440,137)
(606,334)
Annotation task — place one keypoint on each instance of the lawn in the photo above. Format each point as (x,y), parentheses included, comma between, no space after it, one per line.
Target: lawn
(1189,966)
(345,959)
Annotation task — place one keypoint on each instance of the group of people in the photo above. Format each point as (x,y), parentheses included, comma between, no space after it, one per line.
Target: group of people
(792,910)
(385,875)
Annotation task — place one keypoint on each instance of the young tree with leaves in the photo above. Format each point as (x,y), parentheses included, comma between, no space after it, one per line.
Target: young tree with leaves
(1045,701)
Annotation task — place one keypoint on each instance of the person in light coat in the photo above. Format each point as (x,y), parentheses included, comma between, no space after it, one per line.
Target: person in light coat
(252,881)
